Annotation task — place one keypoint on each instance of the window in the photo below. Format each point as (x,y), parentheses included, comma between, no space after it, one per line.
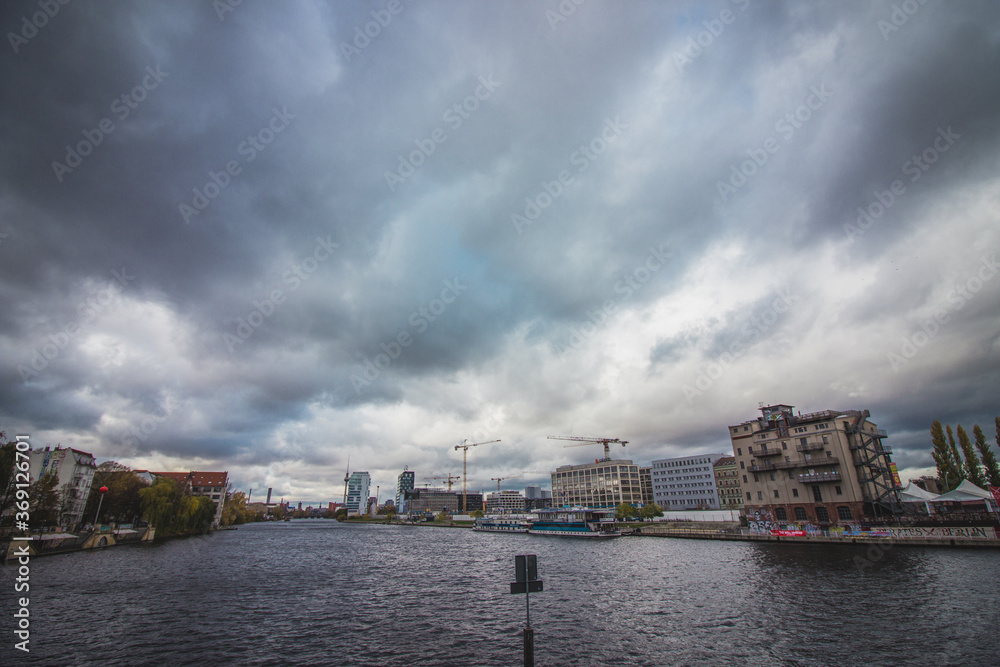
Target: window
(760,495)
(742,466)
(748,495)
(826,440)
(837,489)
(756,478)
(745,479)
(776,494)
(800,514)
(829,454)
(784,445)
(795,493)
(772,476)
(780,514)
(802,441)
(791,474)
(822,515)
(817,496)
(739,450)
(844,513)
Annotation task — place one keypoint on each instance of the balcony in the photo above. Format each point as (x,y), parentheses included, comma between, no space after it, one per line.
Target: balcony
(769,466)
(766,452)
(810,447)
(820,477)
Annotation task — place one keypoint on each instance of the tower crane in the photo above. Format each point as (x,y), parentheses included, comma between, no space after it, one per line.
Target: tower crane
(500,479)
(451,479)
(591,441)
(465,453)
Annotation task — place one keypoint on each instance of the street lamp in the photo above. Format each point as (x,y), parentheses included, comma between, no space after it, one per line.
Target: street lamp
(102,491)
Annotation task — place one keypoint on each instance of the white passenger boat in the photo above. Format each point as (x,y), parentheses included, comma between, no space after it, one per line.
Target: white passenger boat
(575,522)
(500,524)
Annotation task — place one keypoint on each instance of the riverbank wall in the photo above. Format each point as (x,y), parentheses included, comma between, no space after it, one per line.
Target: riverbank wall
(974,537)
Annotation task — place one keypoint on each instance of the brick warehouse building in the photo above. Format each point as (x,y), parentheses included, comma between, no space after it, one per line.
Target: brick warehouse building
(822,468)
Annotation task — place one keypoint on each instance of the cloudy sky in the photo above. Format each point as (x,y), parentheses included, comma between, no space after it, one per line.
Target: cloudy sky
(263,238)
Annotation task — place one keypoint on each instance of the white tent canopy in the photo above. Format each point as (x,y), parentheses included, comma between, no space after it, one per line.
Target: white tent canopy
(963,493)
(914,494)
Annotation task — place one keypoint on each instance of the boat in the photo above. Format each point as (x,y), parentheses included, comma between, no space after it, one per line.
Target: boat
(501,524)
(575,522)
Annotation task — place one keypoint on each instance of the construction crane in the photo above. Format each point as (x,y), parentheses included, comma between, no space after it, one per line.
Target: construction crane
(451,479)
(465,454)
(500,479)
(591,441)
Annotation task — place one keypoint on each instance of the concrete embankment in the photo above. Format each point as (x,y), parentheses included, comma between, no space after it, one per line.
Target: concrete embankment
(695,534)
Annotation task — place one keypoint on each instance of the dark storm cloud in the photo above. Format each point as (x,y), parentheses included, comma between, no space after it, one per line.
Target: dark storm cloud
(294,200)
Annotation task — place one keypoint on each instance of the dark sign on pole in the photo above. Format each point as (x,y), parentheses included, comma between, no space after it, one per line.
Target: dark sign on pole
(525,568)
(525,587)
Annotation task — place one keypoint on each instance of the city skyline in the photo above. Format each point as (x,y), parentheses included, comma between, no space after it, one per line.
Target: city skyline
(265,238)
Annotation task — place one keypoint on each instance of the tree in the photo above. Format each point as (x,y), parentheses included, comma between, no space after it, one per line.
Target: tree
(8,473)
(955,456)
(478,514)
(340,514)
(43,501)
(235,511)
(949,473)
(989,460)
(973,471)
(278,512)
(160,502)
(441,516)
(625,512)
(650,511)
(123,502)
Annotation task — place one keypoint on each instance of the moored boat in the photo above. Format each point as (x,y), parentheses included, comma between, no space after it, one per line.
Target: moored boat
(575,522)
(500,524)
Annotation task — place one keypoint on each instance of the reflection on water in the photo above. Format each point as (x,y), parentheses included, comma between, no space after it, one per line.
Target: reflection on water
(319,592)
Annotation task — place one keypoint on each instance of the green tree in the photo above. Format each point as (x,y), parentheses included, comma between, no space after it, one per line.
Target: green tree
(955,456)
(340,514)
(122,503)
(972,470)
(989,459)
(624,512)
(195,514)
(650,511)
(441,516)
(8,473)
(160,502)
(478,514)
(235,511)
(278,512)
(948,470)
(43,501)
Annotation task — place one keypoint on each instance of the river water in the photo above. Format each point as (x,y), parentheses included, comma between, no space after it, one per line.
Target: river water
(317,592)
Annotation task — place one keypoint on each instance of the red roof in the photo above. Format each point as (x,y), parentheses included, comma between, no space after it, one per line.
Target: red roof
(208,478)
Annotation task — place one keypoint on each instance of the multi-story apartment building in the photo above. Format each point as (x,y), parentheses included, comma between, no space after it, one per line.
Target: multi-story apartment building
(606,483)
(685,482)
(74,471)
(727,482)
(646,484)
(358,487)
(504,501)
(404,483)
(820,468)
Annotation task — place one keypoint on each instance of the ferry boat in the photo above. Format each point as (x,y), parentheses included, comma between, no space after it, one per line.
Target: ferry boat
(575,522)
(500,524)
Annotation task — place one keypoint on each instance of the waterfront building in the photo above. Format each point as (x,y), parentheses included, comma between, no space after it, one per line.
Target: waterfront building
(646,483)
(473,501)
(404,483)
(503,502)
(358,487)
(821,468)
(727,481)
(685,482)
(537,498)
(74,471)
(598,485)
(432,500)
(209,484)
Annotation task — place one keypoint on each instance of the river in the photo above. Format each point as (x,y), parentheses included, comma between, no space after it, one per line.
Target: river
(317,592)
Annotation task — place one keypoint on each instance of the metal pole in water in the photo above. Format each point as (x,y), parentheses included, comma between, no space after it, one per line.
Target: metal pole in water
(529,634)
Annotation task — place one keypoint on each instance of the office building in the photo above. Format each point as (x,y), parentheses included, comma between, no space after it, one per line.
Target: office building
(504,502)
(358,487)
(727,482)
(602,484)
(646,484)
(685,482)
(404,483)
(820,468)
(537,498)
